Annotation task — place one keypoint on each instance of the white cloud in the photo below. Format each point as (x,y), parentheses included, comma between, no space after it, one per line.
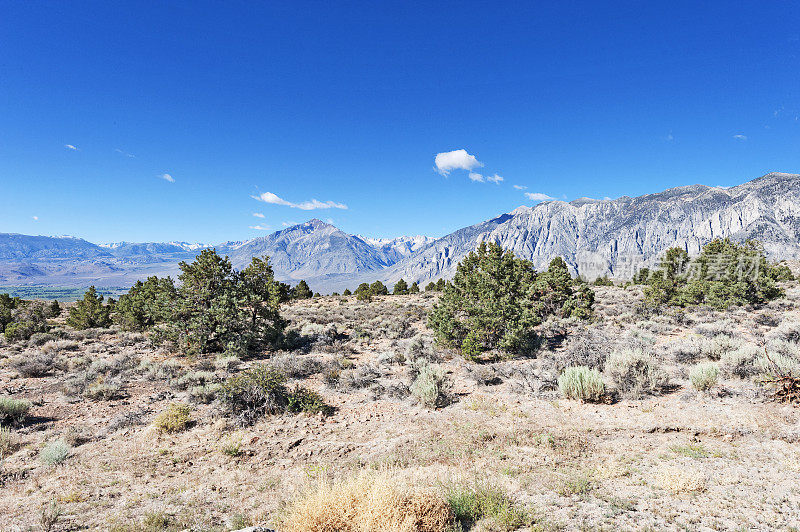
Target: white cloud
(261,227)
(740,137)
(35,218)
(269,197)
(167,177)
(258,215)
(70,147)
(126,154)
(448,161)
(520,187)
(670,137)
(288,224)
(538,196)
(478,178)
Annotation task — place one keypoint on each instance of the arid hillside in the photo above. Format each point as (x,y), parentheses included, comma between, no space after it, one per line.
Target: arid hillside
(121,435)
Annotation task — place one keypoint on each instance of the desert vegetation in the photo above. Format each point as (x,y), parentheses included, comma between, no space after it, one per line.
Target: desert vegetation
(505,399)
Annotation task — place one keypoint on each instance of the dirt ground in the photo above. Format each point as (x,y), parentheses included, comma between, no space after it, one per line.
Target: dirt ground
(727,458)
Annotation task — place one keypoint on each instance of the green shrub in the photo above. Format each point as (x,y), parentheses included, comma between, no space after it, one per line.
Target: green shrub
(146,304)
(581,383)
(400,288)
(302,291)
(205,393)
(303,400)
(635,373)
(89,312)
(13,410)
(176,418)
(724,274)
(740,362)
(25,320)
(101,391)
(363,292)
(471,504)
(379,289)
(7,306)
(777,365)
(8,442)
(603,281)
(781,272)
(431,386)
(495,300)
(220,310)
(261,390)
(704,376)
(55,452)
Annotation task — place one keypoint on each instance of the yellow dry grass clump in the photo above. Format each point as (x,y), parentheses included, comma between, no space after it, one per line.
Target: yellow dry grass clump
(680,479)
(368,503)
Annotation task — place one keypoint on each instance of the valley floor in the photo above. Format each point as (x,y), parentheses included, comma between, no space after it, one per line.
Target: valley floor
(724,459)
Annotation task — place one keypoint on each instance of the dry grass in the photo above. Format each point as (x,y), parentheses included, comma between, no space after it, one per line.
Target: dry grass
(367,503)
(506,452)
(681,479)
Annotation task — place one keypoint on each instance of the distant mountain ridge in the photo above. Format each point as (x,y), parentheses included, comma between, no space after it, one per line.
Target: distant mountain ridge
(594,237)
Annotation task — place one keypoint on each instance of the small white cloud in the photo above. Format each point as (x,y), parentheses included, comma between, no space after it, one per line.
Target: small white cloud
(260,227)
(70,147)
(478,178)
(538,196)
(35,218)
(740,137)
(126,154)
(520,187)
(269,197)
(167,177)
(448,161)
(288,224)
(670,137)
(258,215)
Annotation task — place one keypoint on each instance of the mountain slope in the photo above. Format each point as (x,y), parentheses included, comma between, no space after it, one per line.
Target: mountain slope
(16,247)
(309,250)
(596,237)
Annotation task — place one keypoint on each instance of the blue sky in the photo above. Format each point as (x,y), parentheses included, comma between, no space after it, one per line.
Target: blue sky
(325,105)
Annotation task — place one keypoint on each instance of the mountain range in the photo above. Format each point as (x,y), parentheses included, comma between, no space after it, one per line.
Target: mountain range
(595,237)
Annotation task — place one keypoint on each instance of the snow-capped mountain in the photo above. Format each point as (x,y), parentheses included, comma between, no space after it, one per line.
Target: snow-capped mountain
(594,237)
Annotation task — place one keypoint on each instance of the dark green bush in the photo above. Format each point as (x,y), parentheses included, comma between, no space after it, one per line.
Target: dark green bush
(603,281)
(400,288)
(495,300)
(379,289)
(220,310)
(146,304)
(261,390)
(725,274)
(302,291)
(89,312)
(27,318)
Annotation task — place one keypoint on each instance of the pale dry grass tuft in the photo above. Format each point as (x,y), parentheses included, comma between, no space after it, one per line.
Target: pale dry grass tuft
(681,479)
(366,503)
